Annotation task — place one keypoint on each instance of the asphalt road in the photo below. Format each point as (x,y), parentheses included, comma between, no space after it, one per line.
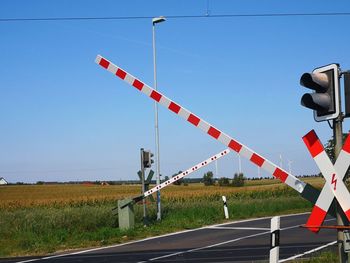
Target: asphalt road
(241,241)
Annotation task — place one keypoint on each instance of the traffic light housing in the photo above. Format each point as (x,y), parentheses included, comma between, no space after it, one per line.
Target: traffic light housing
(147,159)
(347,93)
(325,98)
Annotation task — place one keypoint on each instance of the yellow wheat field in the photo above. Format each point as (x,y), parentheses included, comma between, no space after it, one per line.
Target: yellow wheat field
(16,196)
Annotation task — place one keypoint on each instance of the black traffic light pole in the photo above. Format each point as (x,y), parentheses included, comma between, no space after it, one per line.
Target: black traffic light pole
(143,187)
(338,144)
(146,162)
(341,220)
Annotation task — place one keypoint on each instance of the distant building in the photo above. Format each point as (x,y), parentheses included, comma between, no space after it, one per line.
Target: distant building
(3,181)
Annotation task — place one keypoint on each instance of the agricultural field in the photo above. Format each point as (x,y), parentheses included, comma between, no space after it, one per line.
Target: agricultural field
(23,196)
(41,219)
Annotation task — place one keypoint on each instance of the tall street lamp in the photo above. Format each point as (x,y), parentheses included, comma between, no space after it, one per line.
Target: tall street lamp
(155,21)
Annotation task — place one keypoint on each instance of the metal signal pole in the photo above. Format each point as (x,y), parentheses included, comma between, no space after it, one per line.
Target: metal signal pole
(143,187)
(341,220)
(155,21)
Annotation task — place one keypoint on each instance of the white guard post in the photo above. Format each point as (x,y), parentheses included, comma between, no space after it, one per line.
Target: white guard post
(333,175)
(275,240)
(306,190)
(225,207)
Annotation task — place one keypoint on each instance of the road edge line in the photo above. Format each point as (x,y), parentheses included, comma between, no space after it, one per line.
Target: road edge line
(308,252)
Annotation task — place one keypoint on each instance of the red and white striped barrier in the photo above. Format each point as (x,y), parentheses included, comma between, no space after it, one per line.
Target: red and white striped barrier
(333,175)
(306,190)
(187,172)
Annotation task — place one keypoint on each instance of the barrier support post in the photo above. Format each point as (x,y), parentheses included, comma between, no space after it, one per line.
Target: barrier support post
(126,216)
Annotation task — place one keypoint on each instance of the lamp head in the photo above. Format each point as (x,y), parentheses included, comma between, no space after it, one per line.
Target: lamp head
(159,19)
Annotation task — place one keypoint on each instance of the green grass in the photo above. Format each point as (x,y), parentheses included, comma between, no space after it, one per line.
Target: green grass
(49,228)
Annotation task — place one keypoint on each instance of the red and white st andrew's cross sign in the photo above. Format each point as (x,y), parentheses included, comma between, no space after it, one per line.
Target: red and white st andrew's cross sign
(334,175)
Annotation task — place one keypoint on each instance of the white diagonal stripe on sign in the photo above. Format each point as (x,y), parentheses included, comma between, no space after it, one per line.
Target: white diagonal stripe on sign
(332,174)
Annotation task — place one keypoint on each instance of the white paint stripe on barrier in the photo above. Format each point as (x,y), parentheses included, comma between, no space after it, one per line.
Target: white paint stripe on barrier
(187,172)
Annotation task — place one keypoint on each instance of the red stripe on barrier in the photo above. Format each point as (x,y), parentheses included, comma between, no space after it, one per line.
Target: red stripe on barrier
(104,63)
(235,145)
(316,218)
(313,143)
(174,107)
(257,159)
(346,146)
(278,173)
(138,84)
(214,132)
(156,96)
(347,213)
(193,119)
(121,73)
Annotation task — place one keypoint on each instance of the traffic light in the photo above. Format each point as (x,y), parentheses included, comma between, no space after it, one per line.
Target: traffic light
(147,159)
(347,93)
(325,98)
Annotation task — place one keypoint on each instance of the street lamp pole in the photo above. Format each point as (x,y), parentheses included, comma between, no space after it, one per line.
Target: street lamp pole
(156,20)
(239,164)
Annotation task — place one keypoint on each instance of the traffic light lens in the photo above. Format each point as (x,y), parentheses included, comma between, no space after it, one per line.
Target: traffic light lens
(316,81)
(318,102)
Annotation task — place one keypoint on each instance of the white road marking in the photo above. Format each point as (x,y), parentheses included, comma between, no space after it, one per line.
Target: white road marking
(238,228)
(309,252)
(221,243)
(151,238)
(155,237)
(201,248)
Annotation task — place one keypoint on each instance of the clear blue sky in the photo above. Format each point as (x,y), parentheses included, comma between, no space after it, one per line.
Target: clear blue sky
(64,118)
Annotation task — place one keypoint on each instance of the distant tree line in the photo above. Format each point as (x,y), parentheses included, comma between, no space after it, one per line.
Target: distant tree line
(237,181)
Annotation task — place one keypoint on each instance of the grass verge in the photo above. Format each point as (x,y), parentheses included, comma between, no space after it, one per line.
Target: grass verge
(320,257)
(45,229)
